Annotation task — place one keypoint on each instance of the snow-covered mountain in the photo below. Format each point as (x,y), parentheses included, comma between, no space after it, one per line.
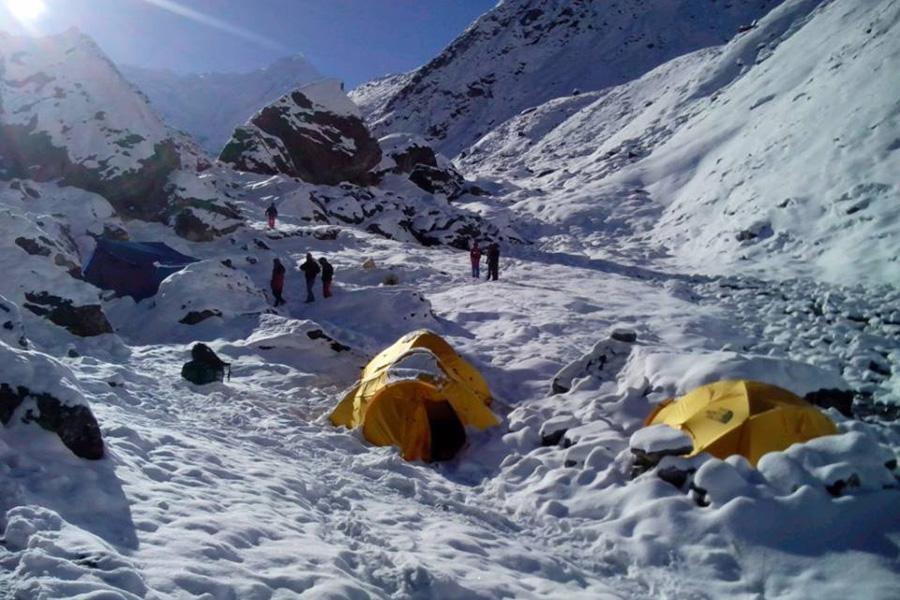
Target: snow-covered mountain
(777,151)
(526,52)
(68,116)
(209,106)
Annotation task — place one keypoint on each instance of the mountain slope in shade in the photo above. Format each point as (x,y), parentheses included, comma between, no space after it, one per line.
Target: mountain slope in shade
(209,106)
(776,151)
(526,52)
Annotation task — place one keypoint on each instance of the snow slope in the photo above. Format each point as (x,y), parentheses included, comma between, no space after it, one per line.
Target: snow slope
(777,151)
(526,52)
(209,106)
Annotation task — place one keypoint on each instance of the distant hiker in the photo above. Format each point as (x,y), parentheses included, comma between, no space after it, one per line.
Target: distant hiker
(327,276)
(272,214)
(310,269)
(493,261)
(278,282)
(475,257)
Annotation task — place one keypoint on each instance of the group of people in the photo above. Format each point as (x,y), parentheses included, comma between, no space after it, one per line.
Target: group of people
(493,260)
(311,269)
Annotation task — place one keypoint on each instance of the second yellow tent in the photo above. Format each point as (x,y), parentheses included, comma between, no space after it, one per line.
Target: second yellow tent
(743,417)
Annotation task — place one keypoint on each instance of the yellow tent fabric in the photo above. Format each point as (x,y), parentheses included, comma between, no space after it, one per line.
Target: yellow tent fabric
(743,417)
(409,410)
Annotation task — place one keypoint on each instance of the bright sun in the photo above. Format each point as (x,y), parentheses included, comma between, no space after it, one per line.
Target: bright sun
(26,10)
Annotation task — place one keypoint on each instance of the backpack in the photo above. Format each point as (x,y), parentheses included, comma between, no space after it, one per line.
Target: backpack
(206,366)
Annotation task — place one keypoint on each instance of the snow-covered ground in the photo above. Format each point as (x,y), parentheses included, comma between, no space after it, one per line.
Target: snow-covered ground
(244,490)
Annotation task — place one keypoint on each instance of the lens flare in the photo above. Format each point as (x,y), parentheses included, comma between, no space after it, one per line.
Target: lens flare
(215,23)
(26,10)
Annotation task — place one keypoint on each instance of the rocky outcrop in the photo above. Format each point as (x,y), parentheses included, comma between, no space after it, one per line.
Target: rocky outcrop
(314,134)
(47,394)
(84,321)
(412,156)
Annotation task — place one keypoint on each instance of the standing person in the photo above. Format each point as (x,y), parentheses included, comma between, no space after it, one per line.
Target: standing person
(278,282)
(327,276)
(493,261)
(475,257)
(310,269)
(272,214)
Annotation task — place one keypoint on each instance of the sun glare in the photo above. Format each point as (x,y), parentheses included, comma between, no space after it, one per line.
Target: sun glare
(26,10)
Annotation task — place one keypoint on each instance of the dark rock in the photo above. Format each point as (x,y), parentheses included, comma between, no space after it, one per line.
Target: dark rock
(412,156)
(318,334)
(757,231)
(192,228)
(438,181)
(75,425)
(842,400)
(83,321)
(837,488)
(32,247)
(553,439)
(295,137)
(624,335)
(201,373)
(194,317)
(12,330)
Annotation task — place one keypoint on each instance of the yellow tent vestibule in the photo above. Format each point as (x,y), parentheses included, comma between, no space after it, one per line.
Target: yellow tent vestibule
(419,395)
(742,417)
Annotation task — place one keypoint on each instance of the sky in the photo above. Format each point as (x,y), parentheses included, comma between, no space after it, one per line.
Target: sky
(354,40)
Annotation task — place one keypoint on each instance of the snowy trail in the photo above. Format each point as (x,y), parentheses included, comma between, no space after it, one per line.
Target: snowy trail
(244,490)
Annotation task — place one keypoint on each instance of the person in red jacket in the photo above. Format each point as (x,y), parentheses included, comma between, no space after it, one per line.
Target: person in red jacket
(278,282)
(475,257)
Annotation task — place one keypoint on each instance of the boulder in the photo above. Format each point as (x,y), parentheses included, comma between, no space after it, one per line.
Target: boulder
(36,389)
(84,321)
(650,445)
(314,133)
(411,155)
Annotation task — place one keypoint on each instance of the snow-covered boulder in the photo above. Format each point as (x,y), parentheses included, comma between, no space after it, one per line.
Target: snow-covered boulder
(36,389)
(206,290)
(602,363)
(314,133)
(411,155)
(49,230)
(301,344)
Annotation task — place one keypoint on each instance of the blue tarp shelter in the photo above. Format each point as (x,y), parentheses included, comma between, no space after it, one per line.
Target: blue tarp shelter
(133,268)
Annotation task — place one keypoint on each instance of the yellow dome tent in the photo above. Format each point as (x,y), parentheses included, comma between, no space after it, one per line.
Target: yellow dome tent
(418,394)
(742,417)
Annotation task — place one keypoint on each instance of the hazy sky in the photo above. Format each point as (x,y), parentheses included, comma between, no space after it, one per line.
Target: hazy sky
(355,40)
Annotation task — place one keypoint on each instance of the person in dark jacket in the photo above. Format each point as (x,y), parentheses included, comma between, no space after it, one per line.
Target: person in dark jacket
(327,276)
(493,261)
(475,257)
(272,214)
(310,268)
(278,282)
